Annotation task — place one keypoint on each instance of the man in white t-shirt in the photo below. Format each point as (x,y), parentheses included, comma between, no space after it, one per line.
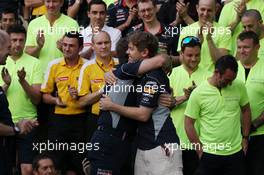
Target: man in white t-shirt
(97,14)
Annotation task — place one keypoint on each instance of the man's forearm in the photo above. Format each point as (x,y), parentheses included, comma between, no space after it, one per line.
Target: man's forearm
(33,51)
(32,92)
(135,113)
(89,99)
(214,51)
(6,130)
(246,120)
(191,133)
(258,122)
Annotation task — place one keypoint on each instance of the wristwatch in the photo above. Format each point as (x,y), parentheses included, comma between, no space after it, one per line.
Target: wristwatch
(16,130)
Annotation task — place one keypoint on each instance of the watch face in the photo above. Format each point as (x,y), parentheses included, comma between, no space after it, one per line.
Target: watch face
(17,130)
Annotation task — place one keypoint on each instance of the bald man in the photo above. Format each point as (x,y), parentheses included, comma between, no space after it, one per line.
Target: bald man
(91,79)
(215,38)
(252,21)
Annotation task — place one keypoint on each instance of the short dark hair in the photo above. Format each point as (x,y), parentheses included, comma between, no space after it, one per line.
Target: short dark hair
(16,29)
(121,49)
(249,35)
(226,62)
(252,13)
(145,40)
(75,34)
(142,1)
(191,43)
(96,2)
(35,163)
(9,10)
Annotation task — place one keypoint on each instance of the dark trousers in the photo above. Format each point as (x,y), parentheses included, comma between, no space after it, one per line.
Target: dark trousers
(255,156)
(211,164)
(112,154)
(67,136)
(190,162)
(91,126)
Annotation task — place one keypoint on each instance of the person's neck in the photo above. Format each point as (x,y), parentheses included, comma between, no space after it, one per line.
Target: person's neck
(212,81)
(52,18)
(72,62)
(190,71)
(105,60)
(153,26)
(16,57)
(249,63)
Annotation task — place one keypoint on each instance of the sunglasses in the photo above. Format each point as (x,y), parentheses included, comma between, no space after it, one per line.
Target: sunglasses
(190,39)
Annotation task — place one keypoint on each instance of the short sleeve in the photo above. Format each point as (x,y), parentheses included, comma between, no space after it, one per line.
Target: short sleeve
(127,71)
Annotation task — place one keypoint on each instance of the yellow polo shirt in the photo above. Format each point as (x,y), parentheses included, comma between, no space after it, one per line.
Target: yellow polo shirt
(92,79)
(61,76)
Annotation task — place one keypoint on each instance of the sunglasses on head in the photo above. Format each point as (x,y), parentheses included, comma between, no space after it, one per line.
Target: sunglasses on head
(190,39)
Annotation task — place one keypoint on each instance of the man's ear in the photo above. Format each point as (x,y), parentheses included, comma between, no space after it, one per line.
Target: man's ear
(145,53)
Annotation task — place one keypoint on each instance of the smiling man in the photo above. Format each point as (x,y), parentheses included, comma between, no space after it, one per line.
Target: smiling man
(44,33)
(97,10)
(215,39)
(67,122)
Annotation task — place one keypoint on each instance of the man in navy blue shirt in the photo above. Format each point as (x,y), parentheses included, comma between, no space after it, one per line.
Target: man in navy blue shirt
(156,138)
(116,133)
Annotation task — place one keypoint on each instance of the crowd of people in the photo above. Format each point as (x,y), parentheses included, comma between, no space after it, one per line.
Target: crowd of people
(132,87)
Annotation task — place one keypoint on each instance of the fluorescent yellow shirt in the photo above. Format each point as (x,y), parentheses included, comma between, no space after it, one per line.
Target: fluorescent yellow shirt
(261,49)
(228,15)
(221,38)
(180,79)
(52,35)
(255,90)
(61,76)
(19,103)
(92,79)
(219,116)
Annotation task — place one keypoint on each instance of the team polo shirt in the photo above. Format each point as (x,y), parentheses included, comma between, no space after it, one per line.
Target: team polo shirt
(92,79)
(58,78)
(221,38)
(228,15)
(180,79)
(122,93)
(159,129)
(255,85)
(52,34)
(167,37)
(87,34)
(20,104)
(261,49)
(219,116)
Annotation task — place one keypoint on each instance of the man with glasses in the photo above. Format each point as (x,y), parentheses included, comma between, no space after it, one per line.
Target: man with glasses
(183,80)
(221,106)
(167,36)
(215,39)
